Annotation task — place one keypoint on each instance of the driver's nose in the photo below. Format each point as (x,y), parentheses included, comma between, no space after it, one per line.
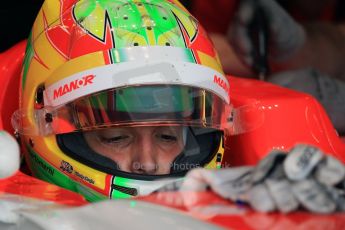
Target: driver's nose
(144,158)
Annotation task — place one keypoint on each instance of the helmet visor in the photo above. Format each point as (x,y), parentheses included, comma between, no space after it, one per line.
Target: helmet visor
(139,105)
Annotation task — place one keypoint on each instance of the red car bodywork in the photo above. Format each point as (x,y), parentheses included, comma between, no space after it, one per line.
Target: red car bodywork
(275,117)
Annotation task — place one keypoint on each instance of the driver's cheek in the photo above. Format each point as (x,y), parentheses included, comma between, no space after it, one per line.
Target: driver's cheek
(147,157)
(122,157)
(167,152)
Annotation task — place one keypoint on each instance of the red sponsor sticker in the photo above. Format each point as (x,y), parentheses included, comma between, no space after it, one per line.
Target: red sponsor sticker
(223,84)
(73,85)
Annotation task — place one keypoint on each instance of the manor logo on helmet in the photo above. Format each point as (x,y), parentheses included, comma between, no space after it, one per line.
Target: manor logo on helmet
(220,82)
(73,85)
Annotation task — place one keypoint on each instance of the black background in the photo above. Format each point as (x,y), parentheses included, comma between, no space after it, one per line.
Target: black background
(16,19)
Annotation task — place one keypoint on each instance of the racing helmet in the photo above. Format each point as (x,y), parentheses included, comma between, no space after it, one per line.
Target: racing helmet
(94,67)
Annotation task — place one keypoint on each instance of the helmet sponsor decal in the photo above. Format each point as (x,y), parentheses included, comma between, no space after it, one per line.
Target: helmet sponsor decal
(221,83)
(67,167)
(43,165)
(73,85)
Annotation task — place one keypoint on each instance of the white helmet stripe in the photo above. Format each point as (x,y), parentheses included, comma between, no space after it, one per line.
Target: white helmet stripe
(140,72)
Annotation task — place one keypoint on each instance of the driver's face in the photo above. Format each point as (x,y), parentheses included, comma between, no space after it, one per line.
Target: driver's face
(144,150)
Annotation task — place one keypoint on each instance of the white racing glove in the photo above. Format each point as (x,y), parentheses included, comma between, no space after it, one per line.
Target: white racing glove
(303,178)
(330,92)
(286,36)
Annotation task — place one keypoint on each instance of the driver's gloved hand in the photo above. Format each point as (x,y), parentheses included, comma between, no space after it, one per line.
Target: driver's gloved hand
(304,178)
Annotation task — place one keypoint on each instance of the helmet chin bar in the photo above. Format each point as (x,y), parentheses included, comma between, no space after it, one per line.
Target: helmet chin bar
(132,187)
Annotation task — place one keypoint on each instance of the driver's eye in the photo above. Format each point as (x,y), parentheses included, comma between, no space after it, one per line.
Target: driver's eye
(115,139)
(167,137)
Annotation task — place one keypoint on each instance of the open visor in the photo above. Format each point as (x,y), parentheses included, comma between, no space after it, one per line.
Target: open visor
(138,105)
